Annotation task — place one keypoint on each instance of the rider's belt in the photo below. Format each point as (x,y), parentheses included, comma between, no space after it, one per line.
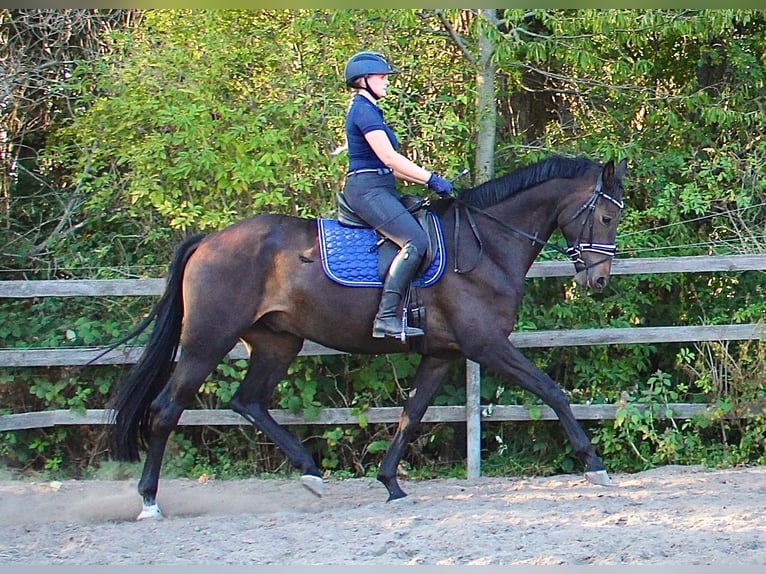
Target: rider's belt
(379,171)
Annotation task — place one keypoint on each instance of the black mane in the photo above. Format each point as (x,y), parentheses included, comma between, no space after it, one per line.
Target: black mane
(496,190)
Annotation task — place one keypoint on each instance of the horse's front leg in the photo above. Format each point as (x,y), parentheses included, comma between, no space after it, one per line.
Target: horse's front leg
(507,360)
(429,375)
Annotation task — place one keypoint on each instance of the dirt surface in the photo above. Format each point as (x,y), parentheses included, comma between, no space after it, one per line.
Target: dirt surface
(672,515)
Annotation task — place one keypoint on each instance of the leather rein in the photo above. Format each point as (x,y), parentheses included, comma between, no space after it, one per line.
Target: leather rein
(573,252)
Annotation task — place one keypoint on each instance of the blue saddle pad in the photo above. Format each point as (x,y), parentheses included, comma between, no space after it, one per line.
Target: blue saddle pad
(349,255)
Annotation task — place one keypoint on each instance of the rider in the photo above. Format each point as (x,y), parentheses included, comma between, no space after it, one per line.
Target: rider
(370,189)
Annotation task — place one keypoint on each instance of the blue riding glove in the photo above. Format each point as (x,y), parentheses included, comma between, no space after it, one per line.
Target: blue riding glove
(439,184)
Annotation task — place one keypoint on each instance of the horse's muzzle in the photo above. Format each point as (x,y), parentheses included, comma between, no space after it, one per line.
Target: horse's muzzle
(593,264)
(595,277)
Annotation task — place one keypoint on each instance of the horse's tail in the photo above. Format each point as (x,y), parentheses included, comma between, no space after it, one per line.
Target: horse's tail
(133,397)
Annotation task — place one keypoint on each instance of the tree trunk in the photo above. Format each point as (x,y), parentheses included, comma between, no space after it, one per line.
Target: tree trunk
(486,107)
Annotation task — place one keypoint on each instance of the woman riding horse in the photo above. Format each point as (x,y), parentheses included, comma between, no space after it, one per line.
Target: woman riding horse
(261,281)
(370,189)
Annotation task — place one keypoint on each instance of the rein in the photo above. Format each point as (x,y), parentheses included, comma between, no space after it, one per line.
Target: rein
(573,252)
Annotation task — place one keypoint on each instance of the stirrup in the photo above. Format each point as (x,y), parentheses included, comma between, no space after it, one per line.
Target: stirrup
(386,327)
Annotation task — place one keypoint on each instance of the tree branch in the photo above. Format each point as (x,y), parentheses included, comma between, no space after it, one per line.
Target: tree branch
(457,38)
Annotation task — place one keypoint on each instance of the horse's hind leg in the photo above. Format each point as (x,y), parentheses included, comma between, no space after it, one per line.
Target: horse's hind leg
(270,356)
(166,410)
(429,375)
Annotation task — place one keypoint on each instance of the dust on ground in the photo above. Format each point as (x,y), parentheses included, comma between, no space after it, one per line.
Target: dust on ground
(672,515)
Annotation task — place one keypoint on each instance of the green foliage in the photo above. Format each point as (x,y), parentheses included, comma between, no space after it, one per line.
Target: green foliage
(197,118)
(528,448)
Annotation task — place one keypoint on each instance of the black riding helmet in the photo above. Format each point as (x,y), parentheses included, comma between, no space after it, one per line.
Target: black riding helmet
(363,64)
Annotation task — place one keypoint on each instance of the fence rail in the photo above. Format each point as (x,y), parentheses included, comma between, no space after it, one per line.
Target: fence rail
(78,356)
(472,414)
(136,287)
(335,416)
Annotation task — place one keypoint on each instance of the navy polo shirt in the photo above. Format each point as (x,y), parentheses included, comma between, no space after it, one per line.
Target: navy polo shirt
(363,117)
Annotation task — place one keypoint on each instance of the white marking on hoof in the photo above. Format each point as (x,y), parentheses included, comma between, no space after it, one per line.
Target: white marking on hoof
(151,512)
(314,484)
(599,477)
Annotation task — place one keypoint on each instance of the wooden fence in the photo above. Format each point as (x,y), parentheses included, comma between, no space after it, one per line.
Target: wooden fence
(472,413)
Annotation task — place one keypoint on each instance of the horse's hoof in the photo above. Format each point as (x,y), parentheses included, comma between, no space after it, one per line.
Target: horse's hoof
(314,484)
(395,493)
(599,477)
(151,512)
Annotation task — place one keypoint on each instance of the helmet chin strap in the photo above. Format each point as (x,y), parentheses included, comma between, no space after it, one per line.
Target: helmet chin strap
(367,89)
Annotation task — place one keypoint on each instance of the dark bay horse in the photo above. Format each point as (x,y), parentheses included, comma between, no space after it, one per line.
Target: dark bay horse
(261,281)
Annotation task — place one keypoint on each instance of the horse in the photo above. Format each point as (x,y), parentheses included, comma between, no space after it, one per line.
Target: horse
(261,281)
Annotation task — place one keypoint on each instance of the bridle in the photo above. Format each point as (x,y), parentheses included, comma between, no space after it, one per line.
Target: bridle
(574,252)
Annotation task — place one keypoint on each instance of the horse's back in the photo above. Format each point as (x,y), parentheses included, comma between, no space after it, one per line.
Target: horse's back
(274,228)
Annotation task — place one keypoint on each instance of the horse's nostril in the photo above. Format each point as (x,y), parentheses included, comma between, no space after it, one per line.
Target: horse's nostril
(601,282)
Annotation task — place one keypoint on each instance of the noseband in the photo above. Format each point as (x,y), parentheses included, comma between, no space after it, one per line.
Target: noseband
(608,249)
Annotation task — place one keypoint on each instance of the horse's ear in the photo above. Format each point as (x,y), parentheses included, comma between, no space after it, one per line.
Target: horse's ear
(622,168)
(607,173)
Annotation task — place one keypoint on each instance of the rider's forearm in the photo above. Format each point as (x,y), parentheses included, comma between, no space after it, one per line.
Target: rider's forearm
(403,168)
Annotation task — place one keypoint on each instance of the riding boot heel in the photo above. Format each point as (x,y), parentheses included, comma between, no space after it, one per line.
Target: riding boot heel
(387,322)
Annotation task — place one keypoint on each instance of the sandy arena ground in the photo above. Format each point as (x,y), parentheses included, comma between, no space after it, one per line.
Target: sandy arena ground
(673,515)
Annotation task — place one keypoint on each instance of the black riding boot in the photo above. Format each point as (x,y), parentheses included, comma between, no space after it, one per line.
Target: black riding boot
(400,274)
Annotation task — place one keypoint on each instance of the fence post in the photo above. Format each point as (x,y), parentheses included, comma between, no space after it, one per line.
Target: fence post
(473,419)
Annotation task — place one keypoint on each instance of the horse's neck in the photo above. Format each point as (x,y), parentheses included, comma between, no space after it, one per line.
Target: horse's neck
(534,212)
(529,220)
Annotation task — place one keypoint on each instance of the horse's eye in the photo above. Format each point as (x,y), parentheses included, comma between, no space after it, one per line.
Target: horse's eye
(606,219)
